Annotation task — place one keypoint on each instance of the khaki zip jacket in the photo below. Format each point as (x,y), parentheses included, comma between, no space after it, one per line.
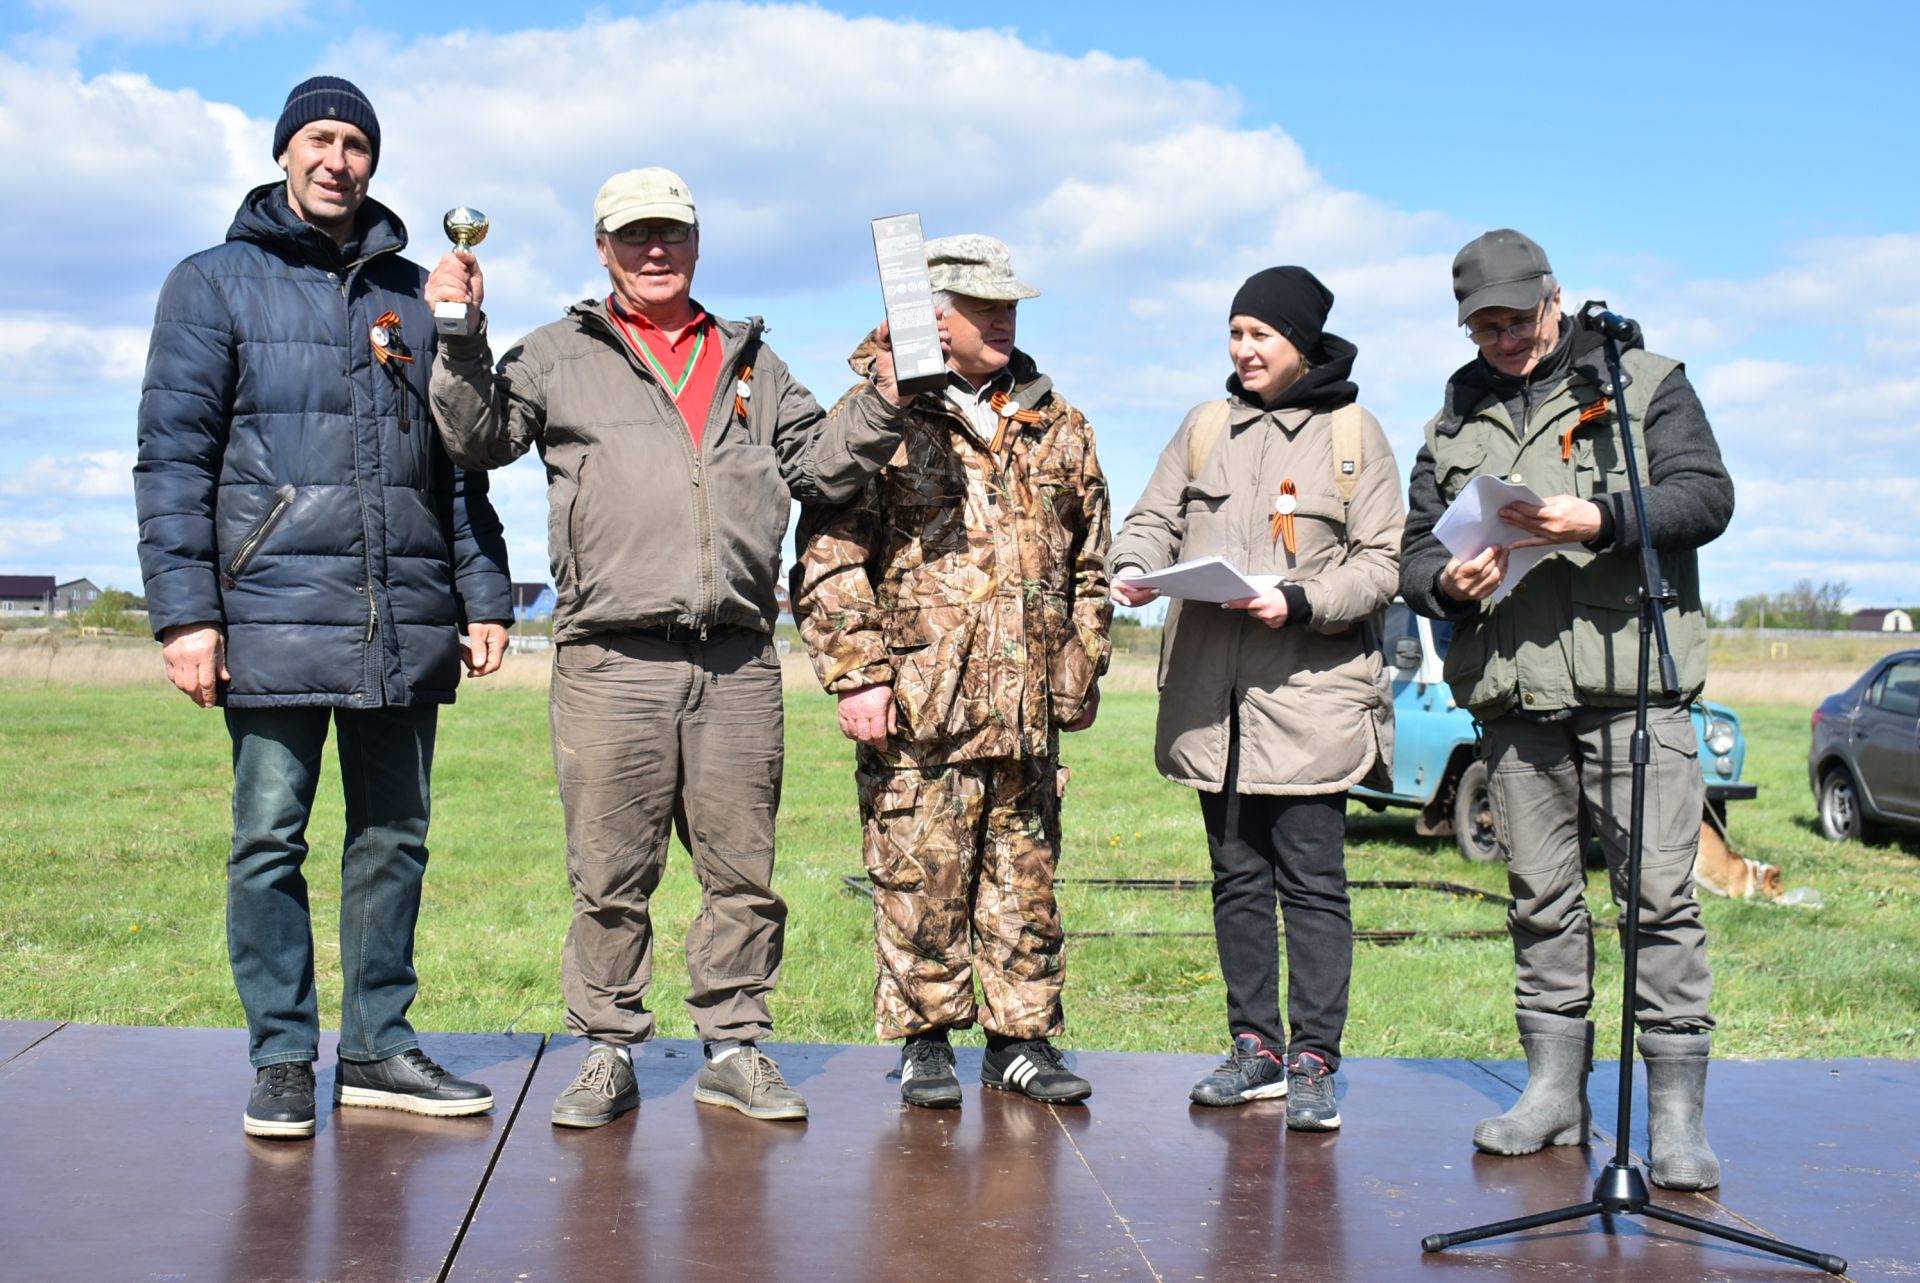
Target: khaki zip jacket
(645,530)
(1314,708)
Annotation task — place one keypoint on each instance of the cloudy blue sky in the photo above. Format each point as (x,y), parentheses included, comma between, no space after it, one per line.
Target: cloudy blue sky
(1737,176)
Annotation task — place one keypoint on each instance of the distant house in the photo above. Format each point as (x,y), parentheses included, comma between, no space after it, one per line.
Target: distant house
(532,601)
(26,594)
(75,597)
(1882,621)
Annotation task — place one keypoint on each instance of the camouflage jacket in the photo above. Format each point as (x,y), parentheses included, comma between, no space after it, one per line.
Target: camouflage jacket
(975,584)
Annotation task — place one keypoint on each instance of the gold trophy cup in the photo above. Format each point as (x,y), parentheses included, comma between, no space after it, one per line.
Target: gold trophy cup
(465,228)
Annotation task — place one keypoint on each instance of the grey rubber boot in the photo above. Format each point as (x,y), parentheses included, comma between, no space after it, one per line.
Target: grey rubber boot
(1676,1101)
(1553,1109)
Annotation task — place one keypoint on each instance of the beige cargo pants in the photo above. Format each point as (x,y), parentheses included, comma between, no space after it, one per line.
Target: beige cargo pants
(653,736)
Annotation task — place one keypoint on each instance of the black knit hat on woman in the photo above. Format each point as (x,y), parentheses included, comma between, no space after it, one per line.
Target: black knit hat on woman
(1290,299)
(326,98)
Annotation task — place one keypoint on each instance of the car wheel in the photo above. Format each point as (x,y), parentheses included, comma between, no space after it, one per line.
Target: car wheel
(1840,819)
(1473,826)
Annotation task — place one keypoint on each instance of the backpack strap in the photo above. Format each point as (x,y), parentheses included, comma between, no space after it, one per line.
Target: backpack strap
(1348,424)
(1207,427)
(1348,451)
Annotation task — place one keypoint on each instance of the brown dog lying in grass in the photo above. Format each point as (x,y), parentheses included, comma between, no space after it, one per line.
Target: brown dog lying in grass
(1723,871)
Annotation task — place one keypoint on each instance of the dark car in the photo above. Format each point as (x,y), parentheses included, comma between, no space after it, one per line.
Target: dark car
(1865,762)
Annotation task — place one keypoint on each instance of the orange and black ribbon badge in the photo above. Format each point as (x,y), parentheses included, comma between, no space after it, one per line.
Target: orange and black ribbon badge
(1000,402)
(386,339)
(1284,505)
(1588,413)
(741,391)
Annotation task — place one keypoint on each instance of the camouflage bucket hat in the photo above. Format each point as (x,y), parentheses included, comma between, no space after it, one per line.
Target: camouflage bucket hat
(976,266)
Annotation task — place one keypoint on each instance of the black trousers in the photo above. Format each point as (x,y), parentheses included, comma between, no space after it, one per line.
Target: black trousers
(1292,849)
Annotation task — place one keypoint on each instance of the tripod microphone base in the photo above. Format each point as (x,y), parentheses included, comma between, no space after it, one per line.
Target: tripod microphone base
(1580,1211)
(1620,1189)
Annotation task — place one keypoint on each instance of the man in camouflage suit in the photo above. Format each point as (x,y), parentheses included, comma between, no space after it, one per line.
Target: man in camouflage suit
(959,610)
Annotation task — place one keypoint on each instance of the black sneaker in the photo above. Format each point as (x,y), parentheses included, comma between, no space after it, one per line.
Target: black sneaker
(926,1073)
(1033,1068)
(1250,1072)
(1310,1103)
(409,1081)
(281,1106)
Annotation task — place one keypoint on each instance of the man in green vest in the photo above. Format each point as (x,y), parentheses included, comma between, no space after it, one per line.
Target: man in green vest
(1549,668)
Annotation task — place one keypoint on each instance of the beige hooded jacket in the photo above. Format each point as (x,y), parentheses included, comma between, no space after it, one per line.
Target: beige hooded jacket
(1314,707)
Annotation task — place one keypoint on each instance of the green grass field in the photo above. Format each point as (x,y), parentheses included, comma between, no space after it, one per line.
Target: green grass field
(115,831)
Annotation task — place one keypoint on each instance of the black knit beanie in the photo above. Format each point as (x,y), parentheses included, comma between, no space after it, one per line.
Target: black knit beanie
(1290,299)
(326,98)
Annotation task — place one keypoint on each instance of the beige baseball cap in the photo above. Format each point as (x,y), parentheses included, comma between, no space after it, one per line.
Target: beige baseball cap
(643,193)
(976,266)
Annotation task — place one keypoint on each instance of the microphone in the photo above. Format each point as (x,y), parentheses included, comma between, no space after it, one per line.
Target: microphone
(1609,325)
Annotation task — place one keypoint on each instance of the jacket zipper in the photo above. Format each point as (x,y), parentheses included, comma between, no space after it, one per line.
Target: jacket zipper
(346,279)
(251,544)
(573,525)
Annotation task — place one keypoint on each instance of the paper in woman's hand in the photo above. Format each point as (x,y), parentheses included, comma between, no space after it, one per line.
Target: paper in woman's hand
(1204,579)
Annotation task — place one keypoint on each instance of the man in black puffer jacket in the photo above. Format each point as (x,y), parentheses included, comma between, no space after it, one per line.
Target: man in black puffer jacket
(311,556)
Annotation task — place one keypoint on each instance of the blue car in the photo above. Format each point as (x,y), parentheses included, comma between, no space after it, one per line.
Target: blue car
(1436,769)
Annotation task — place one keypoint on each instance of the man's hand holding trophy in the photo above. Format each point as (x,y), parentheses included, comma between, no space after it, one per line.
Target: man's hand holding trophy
(456,287)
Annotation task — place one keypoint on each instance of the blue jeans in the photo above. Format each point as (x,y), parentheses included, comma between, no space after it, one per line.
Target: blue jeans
(386,762)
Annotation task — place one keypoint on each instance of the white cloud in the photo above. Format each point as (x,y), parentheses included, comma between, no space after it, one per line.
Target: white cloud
(1136,200)
(127,179)
(51,355)
(24,537)
(1845,297)
(1789,422)
(96,474)
(167,19)
(1806,372)
(71,537)
(825,122)
(1853,530)
(1747,381)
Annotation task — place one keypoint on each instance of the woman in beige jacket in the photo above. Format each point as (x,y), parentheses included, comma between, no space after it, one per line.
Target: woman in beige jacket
(1275,705)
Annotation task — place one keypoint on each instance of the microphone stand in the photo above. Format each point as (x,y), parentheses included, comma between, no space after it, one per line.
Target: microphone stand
(1620,1189)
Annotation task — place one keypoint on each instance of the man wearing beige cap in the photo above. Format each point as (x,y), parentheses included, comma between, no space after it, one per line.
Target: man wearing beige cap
(674,442)
(959,610)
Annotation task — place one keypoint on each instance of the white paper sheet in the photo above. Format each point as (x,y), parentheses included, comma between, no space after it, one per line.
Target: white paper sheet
(1205,579)
(1472,525)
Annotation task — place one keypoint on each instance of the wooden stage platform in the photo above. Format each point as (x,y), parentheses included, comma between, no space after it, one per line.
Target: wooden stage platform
(122,1158)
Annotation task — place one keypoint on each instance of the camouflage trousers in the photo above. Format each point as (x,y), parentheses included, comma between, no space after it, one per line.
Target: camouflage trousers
(962,858)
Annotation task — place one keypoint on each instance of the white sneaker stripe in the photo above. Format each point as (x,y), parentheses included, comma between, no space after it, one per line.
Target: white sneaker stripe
(1022,1070)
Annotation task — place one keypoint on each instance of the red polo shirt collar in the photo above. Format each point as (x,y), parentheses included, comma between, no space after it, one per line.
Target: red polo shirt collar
(692,360)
